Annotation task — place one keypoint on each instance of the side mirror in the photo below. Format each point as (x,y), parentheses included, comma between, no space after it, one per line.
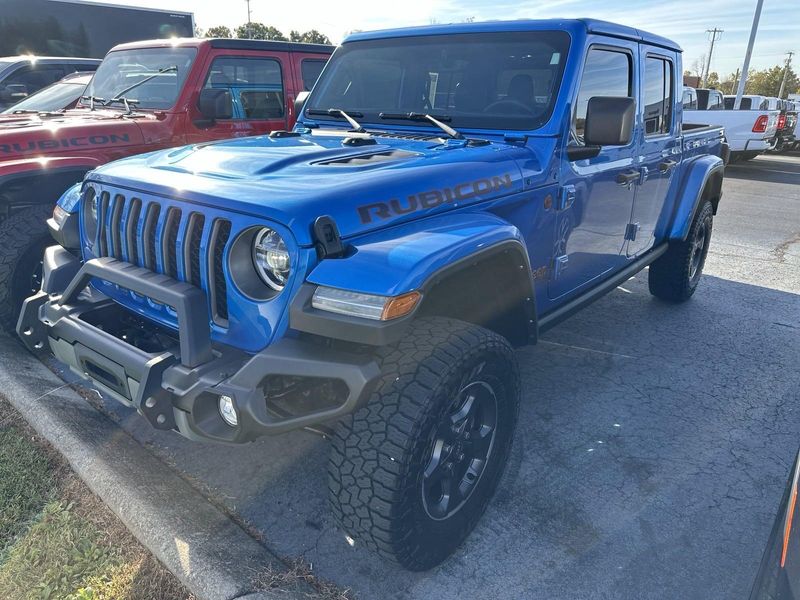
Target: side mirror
(609,121)
(215,104)
(299,101)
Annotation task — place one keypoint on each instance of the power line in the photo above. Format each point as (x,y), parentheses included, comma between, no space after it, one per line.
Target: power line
(713,37)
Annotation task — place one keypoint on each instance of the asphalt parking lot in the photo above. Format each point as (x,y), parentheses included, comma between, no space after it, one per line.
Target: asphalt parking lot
(652,450)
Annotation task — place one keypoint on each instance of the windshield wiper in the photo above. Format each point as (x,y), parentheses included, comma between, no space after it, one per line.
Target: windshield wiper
(120,96)
(128,102)
(338,112)
(93,99)
(413,116)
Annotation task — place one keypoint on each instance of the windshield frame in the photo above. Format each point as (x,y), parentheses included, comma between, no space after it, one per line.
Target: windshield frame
(562,42)
(182,75)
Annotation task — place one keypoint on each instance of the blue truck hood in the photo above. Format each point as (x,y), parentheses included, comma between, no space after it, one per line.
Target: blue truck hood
(294,180)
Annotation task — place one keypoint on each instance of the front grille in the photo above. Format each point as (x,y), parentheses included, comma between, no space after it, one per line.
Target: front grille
(167,240)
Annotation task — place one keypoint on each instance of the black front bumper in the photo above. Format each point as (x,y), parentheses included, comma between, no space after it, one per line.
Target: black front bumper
(178,386)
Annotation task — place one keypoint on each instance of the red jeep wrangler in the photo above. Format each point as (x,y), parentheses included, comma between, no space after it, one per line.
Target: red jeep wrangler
(145,96)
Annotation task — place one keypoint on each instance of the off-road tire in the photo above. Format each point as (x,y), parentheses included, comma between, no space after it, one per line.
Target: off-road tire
(380,453)
(23,238)
(674,276)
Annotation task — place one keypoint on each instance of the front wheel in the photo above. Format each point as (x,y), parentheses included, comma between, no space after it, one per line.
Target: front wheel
(674,276)
(24,237)
(411,472)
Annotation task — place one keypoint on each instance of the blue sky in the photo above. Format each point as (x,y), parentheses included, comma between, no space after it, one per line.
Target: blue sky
(685,21)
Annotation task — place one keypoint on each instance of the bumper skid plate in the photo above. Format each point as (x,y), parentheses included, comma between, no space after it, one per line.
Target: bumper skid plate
(178,386)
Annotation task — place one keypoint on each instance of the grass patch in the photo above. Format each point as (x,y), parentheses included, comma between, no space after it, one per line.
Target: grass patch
(57,555)
(57,539)
(26,484)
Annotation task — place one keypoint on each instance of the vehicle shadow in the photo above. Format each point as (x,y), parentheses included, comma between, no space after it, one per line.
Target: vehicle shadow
(767,168)
(651,452)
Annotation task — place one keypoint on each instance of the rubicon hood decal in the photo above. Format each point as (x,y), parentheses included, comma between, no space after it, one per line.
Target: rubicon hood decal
(433,198)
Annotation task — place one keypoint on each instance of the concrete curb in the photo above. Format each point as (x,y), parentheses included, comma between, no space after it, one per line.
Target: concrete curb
(213,557)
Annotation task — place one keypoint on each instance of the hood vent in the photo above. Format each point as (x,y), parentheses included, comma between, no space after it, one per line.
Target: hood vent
(418,137)
(363,160)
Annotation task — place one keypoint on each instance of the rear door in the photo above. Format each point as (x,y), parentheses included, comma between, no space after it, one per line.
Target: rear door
(256,83)
(660,145)
(597,193)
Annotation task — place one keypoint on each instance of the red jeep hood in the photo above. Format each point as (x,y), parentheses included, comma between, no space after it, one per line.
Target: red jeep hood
(80,130)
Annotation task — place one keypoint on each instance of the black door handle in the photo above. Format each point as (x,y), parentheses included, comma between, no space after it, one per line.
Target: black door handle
(627,177)
(665,166)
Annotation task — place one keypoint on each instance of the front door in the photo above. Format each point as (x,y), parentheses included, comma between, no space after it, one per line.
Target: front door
(660,146)
(597,193)
(256,86)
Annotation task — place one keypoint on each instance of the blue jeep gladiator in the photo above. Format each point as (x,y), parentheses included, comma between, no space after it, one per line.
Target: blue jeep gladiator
(448,193)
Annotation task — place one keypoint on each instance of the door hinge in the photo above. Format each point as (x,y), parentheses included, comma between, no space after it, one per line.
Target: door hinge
(559,265)
(631,230)
(566,198)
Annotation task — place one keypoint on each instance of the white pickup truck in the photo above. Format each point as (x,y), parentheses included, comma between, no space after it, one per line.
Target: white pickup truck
(749,131)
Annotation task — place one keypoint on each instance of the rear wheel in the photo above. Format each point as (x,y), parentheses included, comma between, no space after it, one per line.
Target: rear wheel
(675,275)
(411,473)
(24,237)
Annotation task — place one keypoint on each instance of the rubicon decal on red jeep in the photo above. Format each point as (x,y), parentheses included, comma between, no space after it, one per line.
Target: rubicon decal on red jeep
(72,142)
(433,198)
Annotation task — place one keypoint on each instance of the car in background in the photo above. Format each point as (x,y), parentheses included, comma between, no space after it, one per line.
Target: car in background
(61,95)
(709,99)
(21,76)
(778,576)
(750,130)
(785,138)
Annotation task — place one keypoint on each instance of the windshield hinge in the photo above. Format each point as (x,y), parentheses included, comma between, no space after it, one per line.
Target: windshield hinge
(327,239)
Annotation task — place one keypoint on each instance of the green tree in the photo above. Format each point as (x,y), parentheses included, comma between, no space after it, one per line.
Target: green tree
(220,31)
(767,82)
(259,31)
(309,37)
(713,81)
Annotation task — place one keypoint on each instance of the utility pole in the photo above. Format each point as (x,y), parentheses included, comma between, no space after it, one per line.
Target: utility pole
(249,33)
(785,72)
(748,54)
(713,37)
(735,80)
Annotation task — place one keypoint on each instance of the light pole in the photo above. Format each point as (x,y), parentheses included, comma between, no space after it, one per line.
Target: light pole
(748,54)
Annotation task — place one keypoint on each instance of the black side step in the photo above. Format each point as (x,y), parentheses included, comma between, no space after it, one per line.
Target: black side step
(553,318)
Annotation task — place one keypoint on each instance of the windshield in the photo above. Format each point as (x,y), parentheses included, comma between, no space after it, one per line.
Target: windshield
(54,97)
(477,80)
(123,69)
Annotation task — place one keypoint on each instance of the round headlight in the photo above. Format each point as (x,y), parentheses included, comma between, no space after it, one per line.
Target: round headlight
(271,258)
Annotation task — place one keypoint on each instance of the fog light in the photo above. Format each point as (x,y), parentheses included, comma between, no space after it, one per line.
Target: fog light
(228,411)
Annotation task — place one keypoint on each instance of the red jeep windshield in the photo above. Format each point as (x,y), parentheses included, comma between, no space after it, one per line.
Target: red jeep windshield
(506,80)
(130,69)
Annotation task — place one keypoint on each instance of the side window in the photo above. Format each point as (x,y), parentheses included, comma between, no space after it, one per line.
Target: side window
(714,101)
(689,100)
(310,68)
(257,83)
(606,73)
(657,94)
(35,78)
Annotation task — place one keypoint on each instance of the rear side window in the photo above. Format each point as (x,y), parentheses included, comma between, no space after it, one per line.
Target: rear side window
(606,73)
(37,77)
(658,88)
(310,68)
(255,84)
(689,100)
(714,101)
